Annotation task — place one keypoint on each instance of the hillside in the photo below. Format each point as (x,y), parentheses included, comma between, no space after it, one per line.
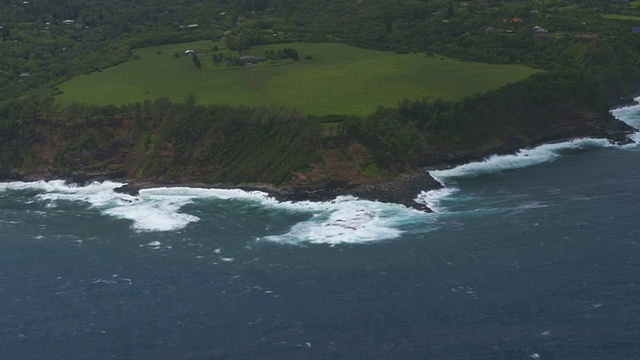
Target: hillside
(298,157)
(336,79)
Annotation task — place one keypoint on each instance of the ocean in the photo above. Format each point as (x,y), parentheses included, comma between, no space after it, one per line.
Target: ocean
(534,255)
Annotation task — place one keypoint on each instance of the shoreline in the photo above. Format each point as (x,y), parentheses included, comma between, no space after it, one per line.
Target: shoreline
(632,99)
(403,189)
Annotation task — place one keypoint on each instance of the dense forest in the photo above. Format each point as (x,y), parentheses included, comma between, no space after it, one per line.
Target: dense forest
(588,51)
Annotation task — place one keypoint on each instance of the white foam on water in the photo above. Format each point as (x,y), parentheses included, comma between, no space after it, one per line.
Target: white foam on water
(98,194)
(148,212)
(348,220)
(59,186)
(432,198)
(154,213)
(523,158)
(151,211)
(498,163)
(158,209)
(343,220)
(631,116)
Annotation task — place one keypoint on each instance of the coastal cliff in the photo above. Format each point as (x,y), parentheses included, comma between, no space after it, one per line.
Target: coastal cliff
(383,157)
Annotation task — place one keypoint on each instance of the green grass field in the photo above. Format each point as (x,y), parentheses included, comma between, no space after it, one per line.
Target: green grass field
(620,17)
(340,79)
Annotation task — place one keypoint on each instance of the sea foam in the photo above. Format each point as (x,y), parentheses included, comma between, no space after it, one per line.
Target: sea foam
(499,163)
(148,212)
(433,198)
(543,153)
(343,220)
(348,220)
(631,116)
(523,158)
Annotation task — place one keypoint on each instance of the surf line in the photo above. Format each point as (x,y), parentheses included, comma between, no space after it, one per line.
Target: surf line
(523,158)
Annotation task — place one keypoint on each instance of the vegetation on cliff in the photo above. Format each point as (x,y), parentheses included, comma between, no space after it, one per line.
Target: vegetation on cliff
(164,141)
(587,59)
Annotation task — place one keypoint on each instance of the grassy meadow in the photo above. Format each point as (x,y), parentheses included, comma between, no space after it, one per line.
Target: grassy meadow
(620,17)
(340,79)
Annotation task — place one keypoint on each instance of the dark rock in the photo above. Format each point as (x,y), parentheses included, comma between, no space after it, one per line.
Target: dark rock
(402,190)
(131,189)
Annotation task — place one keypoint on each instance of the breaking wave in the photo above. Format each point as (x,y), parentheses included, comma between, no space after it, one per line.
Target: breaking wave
(348,220)
(631,116)
(343,220)
(523,158)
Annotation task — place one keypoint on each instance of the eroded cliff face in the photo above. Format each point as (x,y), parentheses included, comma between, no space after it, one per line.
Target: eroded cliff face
(341,171)
(116,148)
(55,149)
(507,130)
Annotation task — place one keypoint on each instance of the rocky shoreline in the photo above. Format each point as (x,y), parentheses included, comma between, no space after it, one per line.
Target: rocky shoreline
(629,100)
(403,189)
(329,183)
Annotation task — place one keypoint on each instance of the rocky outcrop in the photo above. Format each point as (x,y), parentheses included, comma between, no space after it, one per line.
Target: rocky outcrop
(344,166)
(402,189)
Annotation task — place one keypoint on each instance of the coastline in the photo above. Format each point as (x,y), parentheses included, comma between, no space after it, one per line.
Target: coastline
(626,101)
(401,190)
(404,188)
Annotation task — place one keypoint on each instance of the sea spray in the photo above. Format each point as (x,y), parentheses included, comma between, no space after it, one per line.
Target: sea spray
(523,158)
(343,220)
(433,198)
(631,116)
(349,220)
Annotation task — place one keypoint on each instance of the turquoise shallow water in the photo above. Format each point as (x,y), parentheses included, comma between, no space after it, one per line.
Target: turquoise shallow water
(532,256)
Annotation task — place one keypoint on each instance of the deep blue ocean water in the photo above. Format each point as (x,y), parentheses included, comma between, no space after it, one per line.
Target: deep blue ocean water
(530,256)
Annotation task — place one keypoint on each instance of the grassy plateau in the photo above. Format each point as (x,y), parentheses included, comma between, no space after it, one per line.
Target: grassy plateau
(620,17)
(339,79)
